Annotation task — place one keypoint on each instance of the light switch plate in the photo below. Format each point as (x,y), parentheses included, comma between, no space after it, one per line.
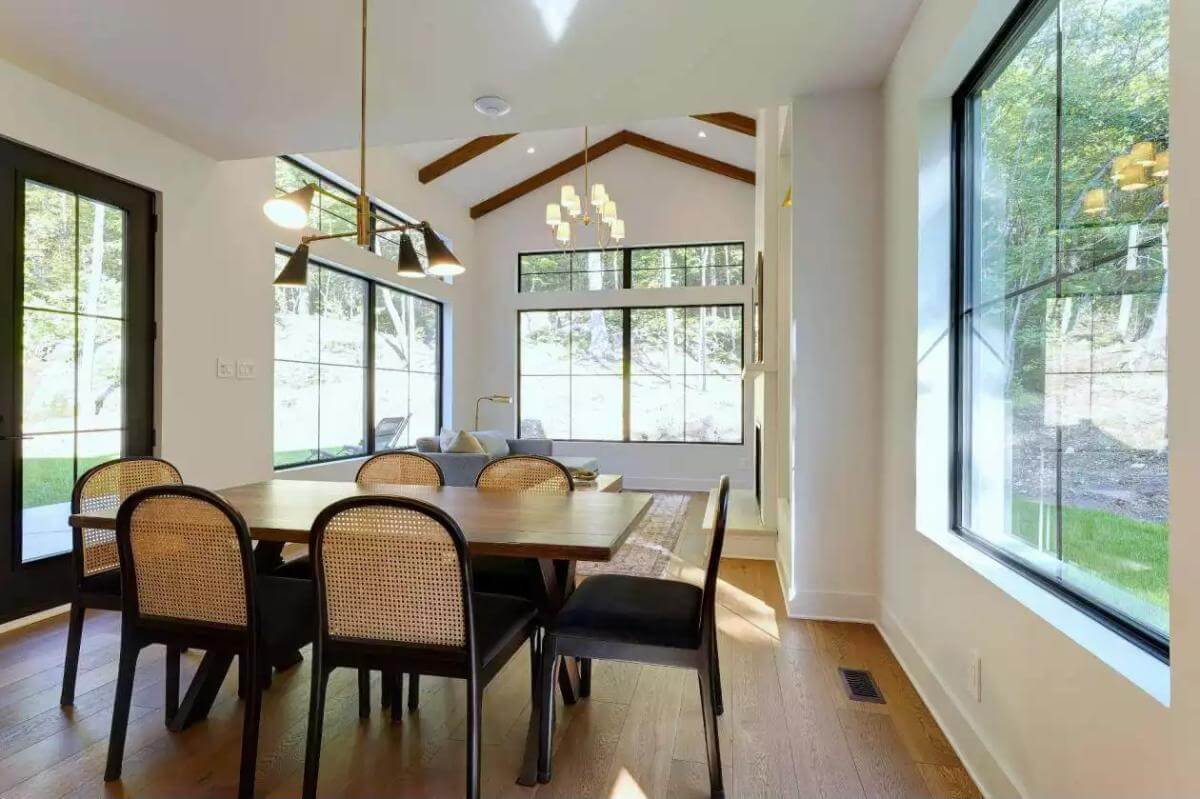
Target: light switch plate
(224,368)
(245,370)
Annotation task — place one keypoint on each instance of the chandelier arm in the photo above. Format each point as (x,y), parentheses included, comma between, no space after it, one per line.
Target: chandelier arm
(326,236)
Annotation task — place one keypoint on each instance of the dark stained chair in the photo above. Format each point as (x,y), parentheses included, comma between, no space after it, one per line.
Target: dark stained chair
(188,580)
(394,594)
(94,552)
(644,620)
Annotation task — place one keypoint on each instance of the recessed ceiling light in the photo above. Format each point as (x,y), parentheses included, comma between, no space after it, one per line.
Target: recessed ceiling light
(702,135)
(530,150)
(492,106)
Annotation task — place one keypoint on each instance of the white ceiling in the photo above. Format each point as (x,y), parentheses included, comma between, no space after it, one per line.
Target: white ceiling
(510,163)
(242,78)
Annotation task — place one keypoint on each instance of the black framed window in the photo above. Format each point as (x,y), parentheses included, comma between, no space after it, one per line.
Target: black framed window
(357,367)
(327,214)
(1060,306)
(650,374)
(720,264)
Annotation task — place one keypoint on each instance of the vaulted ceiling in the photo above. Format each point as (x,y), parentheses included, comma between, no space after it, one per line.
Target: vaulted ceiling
(239,78)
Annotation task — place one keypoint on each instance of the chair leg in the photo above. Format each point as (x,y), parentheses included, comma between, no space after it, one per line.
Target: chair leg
(414,691)
(474,738)
(316,724)
(250,719)
(718,698)
(585,677)
(546,682)
(171,696)
(397,678)
(120,714)
(364,693)
(71,664)
(716,782)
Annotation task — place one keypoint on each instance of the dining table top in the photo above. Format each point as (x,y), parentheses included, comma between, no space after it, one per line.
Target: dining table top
(577,526)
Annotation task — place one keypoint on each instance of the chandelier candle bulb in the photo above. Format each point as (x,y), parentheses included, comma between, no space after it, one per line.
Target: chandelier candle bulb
(609,213)
(1119,165)
(553,214)
(1095,202)
(618,229)
(599,195)
(563,233)
(1144,153)
(1133,178)
(290,211)
(568,195)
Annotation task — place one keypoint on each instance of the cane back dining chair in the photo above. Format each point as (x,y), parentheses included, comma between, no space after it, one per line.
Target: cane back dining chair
(94,552)
(188,580)
(644,620)
(394,593)
(396,468)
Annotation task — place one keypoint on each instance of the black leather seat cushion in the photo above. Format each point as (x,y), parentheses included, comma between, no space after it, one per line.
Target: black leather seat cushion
(498,618)
(107,582)
(633,610)
(287,609)
(496,574)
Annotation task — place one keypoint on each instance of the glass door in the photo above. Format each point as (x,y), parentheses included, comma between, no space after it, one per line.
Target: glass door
(77,351)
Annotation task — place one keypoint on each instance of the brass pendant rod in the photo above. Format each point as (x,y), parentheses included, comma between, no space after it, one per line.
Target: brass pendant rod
(362,126)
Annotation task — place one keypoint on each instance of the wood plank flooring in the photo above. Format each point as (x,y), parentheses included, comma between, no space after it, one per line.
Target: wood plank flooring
(788,729)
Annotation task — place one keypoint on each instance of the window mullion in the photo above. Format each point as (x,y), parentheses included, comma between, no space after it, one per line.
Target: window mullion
(626,364)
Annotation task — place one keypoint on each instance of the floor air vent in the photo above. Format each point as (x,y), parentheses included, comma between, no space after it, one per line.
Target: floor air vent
(860,686)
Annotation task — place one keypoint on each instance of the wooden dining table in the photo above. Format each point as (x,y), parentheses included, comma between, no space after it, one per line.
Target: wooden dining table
(555,531)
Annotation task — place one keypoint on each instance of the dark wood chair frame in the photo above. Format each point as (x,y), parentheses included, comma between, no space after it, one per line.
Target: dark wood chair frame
(392,685)
(225,642)
(84,599)
(393,658)
(703,659)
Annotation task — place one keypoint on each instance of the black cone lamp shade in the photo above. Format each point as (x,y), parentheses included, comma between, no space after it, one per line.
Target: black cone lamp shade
(295,271)
(408,264)
(441,261)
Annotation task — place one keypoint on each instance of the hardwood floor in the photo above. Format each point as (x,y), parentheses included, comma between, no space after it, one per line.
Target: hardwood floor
(788,728)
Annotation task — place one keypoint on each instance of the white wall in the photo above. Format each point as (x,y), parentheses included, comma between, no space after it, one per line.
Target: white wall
(663,202)
(835,365)
(1056,720)
(215,265)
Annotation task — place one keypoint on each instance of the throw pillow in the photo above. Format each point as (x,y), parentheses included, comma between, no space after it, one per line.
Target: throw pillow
(494,442)
(464,442)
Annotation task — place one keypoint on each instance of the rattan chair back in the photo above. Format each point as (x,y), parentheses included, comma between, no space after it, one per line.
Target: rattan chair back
(533,474)
(401,468)
(105,487)
(185,557)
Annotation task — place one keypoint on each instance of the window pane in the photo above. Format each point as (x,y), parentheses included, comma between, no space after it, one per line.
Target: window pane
(393,318)
(49,245)
(47,477)
(99,377)
(656,408)
(391,406)
(546,407)
(48,374)
(546,342)
(296,399)
(341,419)
(713,404)
(714,340)
(551,281)
(101,258)
(426,335)
(596,342)
(343,315)
(423,403)
(297,329)
(538,263)
(656,346)
(595,409)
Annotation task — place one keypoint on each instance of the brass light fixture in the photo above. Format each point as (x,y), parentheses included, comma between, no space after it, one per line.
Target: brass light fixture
(609,227)
(501,399)
(291,211)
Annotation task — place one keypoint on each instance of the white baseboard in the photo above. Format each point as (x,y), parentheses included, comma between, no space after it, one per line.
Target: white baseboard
(33,618)
(833,606)
(995,781)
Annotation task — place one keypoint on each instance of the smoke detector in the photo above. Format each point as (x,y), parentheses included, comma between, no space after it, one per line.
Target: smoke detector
(492,106)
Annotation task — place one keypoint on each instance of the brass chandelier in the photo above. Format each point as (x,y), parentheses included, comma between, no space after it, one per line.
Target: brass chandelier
(559,216)
(291,211)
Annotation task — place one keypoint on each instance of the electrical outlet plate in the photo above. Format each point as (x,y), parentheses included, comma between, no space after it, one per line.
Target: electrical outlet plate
(224,368)
(245,370)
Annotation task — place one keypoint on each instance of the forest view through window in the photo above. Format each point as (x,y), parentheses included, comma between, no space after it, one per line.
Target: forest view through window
(1061,320)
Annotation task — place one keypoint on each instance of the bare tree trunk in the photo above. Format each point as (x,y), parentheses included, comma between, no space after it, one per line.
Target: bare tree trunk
(85,397)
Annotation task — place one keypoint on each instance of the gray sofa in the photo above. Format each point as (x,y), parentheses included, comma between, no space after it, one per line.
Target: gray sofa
(461,468)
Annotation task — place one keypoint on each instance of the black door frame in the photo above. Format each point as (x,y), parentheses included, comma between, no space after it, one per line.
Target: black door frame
(28,588)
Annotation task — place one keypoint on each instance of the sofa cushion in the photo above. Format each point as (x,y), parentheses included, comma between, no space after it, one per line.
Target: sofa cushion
(494,443)
(429,444)
(462,441)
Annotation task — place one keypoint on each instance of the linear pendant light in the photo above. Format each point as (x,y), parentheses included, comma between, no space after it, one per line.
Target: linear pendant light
(291,211)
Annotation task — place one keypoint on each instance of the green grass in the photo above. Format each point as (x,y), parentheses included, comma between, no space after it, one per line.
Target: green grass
(1126,553)
(46,481)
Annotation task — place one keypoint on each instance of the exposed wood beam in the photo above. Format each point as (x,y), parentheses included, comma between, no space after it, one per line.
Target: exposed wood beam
(563,167)
(460,156)
(739,123)
(689,157)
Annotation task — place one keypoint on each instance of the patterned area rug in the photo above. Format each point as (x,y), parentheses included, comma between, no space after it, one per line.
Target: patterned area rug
(647,551)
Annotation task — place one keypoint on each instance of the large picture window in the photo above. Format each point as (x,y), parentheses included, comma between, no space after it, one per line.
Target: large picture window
(1060,306)
(632,267)
(331,400)
(671,374)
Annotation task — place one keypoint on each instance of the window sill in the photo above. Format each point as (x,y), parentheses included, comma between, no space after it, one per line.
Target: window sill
(1126,658)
